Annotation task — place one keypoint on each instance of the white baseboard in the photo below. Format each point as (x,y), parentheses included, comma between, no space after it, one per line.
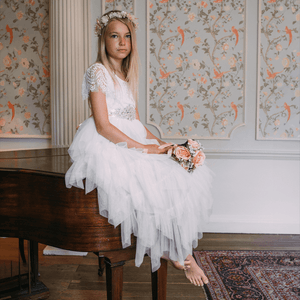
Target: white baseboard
(230,224)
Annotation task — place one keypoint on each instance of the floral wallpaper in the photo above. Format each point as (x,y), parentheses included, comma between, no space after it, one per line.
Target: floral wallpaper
(279,70)
(196,67)
(127,5)
(24,68)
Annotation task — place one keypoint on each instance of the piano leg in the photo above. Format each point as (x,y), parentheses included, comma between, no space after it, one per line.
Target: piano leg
(34,258)
(114,279)
(159,281)
(101,264)
(21,248)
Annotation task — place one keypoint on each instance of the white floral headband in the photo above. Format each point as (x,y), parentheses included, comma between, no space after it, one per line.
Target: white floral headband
(103,21)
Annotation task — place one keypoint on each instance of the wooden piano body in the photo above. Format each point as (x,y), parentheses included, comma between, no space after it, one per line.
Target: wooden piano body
(36,205)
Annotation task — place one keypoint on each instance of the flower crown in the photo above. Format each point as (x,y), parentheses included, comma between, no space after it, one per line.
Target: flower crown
(103,21)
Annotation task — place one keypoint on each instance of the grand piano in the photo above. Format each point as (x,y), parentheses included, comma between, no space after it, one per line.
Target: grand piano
(36,206)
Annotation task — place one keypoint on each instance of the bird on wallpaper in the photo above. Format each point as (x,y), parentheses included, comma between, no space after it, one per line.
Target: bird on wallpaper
(234,107)
(271,1)
(236,33)
(46,73)
(218,1)
(289,32)
(181,32)
(163,1)
(180,106)
(287,107)
(165,75)
(12,107)
(219,75)
(272,75)
(9,30)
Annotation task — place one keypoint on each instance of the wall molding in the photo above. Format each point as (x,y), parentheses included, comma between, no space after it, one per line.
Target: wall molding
(252,154)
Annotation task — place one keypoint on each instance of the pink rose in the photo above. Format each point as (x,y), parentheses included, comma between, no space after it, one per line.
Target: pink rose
(193,144)
(182,153)
(199,158)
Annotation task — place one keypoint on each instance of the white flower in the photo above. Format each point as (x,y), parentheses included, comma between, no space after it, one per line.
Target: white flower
(104,20)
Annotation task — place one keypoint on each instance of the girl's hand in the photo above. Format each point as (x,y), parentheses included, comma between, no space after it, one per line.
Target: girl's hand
(155,149)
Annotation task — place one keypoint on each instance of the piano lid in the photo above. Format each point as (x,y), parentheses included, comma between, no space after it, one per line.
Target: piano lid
(54,160)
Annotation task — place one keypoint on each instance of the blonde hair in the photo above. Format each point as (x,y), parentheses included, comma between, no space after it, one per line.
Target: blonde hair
(130,64)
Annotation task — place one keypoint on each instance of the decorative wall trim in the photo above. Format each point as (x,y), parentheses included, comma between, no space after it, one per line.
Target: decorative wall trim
(278,88)
(70,57)
(197,91)
(126,5)
(26,136)
(252,154)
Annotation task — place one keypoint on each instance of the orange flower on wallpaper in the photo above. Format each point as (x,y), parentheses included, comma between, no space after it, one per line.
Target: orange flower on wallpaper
(278,47)
(26,39)
(204,4)
(19,15)
(2,122)
(21,92)
(27,115)
(178,62)
(197,40)
(25,63)
(232,62)
(32,2)
(171,47)
(191,92)
(191,17)
(225,46)
(33,78)
(285,62)
(197,116)
(1,46)
(7,61)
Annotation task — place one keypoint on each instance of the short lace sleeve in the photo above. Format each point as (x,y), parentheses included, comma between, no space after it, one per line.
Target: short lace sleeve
(94,80)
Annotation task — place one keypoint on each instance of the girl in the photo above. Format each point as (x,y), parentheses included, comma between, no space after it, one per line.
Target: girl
(138,185)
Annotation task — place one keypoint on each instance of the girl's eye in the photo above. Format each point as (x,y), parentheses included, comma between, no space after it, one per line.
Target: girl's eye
(114,36)
(128,36)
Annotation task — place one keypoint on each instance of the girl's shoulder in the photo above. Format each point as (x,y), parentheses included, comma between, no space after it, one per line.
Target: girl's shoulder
(96,68)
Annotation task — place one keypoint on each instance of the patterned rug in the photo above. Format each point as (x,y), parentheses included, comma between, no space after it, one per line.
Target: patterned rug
(245,275)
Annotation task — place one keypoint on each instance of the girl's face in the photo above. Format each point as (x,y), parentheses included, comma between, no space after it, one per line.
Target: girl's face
(117,40)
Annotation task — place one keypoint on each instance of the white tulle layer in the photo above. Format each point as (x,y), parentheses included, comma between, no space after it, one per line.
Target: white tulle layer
(150,195)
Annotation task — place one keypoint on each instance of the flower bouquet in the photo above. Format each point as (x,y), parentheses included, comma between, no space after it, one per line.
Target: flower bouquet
(189,155)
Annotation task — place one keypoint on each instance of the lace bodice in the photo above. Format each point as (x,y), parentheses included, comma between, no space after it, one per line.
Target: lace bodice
(119,99)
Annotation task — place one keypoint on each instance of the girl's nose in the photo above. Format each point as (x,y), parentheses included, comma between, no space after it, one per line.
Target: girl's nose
(122,41)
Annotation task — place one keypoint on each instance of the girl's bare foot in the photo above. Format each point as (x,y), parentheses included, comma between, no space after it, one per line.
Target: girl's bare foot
(193,272)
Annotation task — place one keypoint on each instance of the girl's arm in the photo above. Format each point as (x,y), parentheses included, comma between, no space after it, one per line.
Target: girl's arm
(149,134)
(109,131)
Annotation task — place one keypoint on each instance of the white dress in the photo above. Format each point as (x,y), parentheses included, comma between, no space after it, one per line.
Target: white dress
(150,195)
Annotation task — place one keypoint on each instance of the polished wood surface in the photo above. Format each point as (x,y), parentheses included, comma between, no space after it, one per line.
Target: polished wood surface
(36,205)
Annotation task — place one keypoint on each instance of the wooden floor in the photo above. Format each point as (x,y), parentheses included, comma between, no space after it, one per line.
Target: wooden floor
(76,278)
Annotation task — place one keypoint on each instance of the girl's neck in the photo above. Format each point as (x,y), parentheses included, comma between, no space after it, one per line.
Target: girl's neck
(117,65)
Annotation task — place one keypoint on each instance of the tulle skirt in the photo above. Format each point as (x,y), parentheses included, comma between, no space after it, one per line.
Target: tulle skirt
(150,195)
